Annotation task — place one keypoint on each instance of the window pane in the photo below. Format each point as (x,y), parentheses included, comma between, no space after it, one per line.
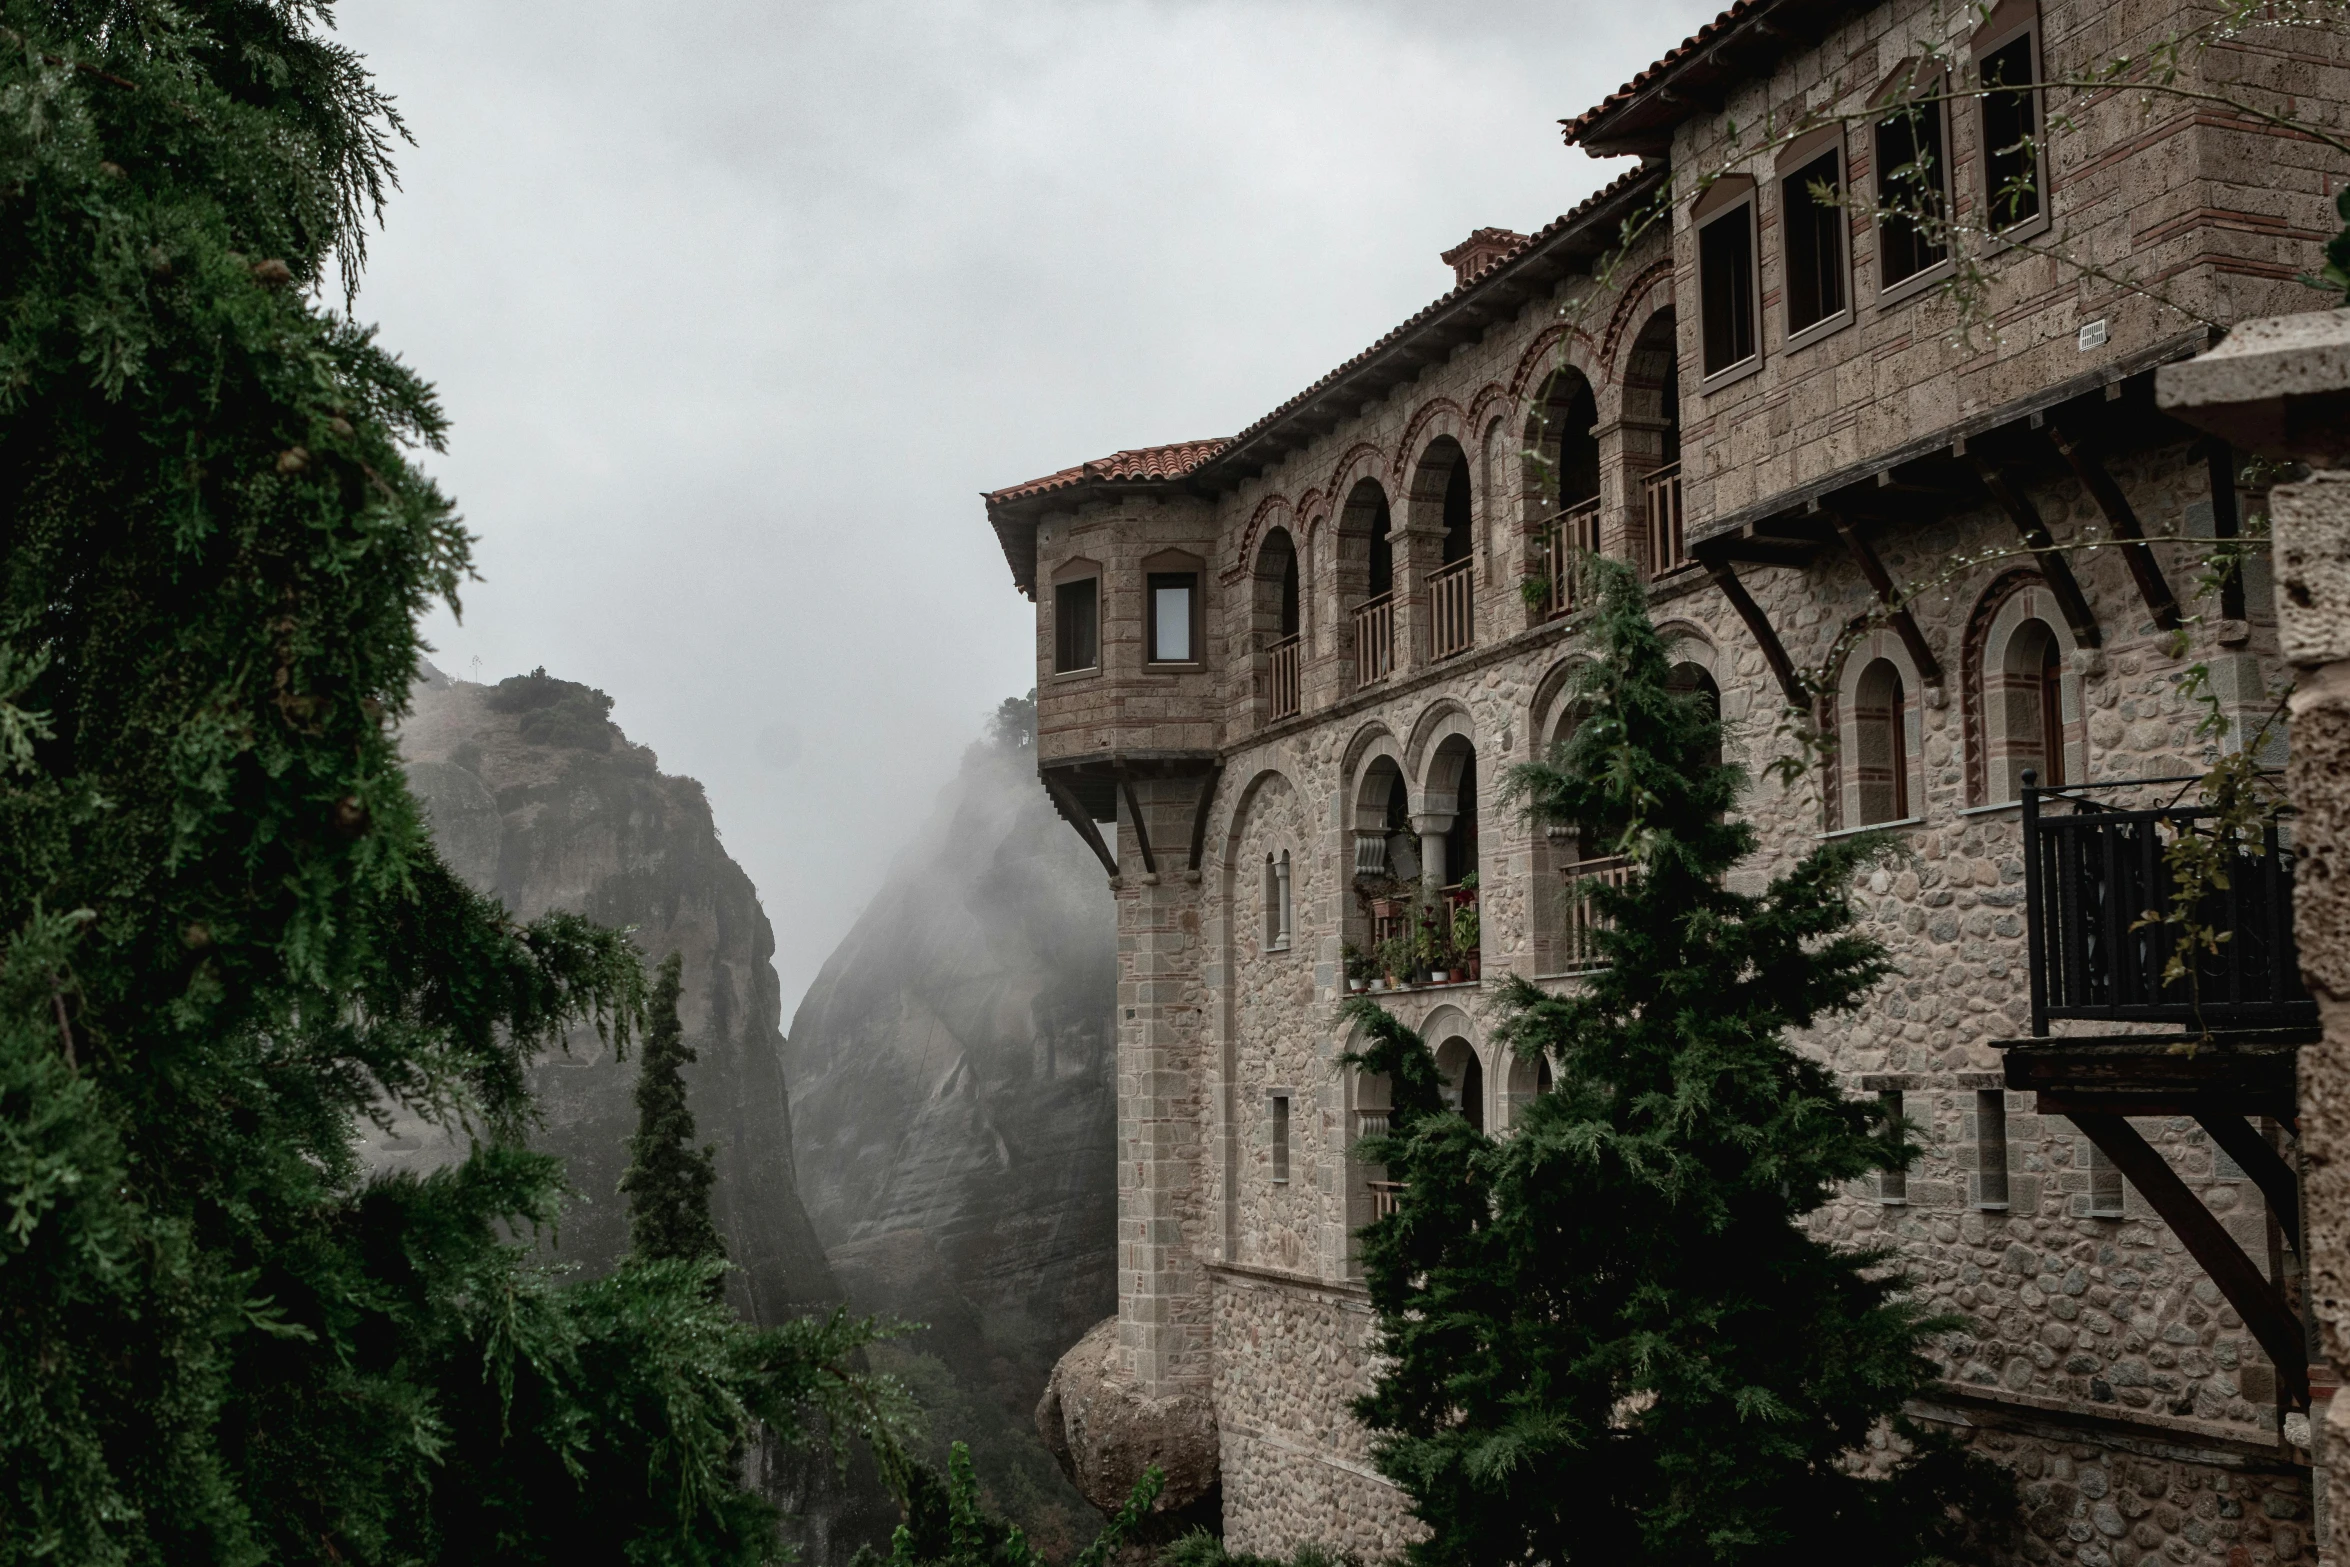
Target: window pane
(1815,243)
(1725,265)
(1171,618)
(2011,167)
(1076,626)
(1911,189)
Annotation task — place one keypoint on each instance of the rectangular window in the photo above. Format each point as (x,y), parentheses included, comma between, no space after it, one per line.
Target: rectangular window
(1725,282)
(1174,599)
(1815,241)
(1990,1148)
(2105,1184)
(1892,1185)
(2011,134)
(1913,192)
(1280,1139)
(1077,626)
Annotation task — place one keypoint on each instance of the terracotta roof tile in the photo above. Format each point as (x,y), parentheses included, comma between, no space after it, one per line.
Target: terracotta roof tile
(1142,463)
(1705,35)
(1707,70)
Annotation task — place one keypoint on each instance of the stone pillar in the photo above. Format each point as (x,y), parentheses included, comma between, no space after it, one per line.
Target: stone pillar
(1432,824)
(1136,1390)
(2281,388)
(1419,552)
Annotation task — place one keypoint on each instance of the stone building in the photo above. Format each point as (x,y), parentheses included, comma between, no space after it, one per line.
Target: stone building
(1861,463)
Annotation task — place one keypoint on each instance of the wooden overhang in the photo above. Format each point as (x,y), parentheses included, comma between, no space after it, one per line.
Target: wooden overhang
(1994,457)
(1742,43)
(2218,1080)
(1086,790)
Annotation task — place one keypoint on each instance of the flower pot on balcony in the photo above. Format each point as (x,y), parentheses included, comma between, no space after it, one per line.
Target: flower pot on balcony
(1476,967)
(1387,908)
(1353,986)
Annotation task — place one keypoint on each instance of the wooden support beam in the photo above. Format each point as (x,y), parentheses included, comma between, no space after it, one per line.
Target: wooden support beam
(2260,1303)
(1199,813)
(2220,461)
(2267,1168)
(1774,652)
(1904,624)
(2058,571)
(1142,831)
(2145,570)
(1076,815)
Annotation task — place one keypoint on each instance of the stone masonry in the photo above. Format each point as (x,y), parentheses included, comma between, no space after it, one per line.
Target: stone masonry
(1281,759)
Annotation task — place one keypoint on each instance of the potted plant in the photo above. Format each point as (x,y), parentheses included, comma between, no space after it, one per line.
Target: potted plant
(1358,968)
(1395,958)
(1465,933)
(1428,952)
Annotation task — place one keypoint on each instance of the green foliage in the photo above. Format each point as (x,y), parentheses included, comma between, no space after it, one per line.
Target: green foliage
(2334,277)
(225,941)
(1202,1549)
(668,1180)
(1611,1337)
(946,1525)
(555,712)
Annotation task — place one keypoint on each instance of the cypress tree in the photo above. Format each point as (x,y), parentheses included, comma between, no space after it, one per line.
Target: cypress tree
(1613,1335)
(668,1180)
(225,940)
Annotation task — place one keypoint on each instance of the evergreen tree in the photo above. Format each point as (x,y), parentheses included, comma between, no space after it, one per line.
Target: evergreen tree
(1611,1336)
(668,1180)
(948,1526)
(225,941)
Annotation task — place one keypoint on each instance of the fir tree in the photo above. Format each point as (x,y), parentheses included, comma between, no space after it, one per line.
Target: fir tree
(225,940)
(668,1180)
(1612,1336)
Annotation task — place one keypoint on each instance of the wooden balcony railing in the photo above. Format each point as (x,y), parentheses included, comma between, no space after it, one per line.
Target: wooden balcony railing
(2093,873)
(1572,535)
(1580,949)
(1281,664)
(1386,1196)
(1452,594)
(1668,543)
(1375,640)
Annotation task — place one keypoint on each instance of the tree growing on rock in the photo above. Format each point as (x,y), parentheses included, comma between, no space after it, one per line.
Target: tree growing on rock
(225,940)
(1612,1335)
(668,1179)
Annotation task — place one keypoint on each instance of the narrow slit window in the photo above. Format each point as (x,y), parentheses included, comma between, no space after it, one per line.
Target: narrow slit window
(1280,1139)
(1814,231)
(1077,641)
(1913,192)
(1174,615)
(1892,1185)
(1725,278)
(2105,1184)
(2011,134)
(1991,1149)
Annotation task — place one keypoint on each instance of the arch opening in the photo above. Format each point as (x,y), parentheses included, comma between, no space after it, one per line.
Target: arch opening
(1695,679)
(1464,1079)
(1880,754)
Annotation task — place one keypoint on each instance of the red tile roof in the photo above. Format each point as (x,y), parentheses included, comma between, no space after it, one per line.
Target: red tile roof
(1143,463)
(1621,124)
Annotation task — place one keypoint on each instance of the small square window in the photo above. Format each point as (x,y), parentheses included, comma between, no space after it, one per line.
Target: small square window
(1892,1185)
(1174,616)
(1077,642)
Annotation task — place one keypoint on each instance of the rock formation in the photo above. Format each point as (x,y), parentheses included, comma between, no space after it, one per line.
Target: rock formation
(954,1107)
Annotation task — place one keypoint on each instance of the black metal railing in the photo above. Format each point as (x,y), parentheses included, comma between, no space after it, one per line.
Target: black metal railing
(2098,893)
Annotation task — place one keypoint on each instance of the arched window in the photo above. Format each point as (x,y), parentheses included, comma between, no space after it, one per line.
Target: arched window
(1652,441)
(1880,754)
(1458,523)
(1371,1195)
(1274,616)
(2023,693)
(1366,580)
(1696,678)
(1448,829)
(1464,1079)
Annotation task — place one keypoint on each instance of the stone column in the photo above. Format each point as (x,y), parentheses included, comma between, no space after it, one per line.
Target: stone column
(1432,825)
(2281,388)
(1419,551)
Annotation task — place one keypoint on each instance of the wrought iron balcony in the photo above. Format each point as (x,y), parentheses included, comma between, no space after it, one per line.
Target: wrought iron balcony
(2100,893)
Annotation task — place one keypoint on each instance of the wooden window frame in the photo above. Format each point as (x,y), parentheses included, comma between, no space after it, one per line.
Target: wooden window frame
(1068,576)
(1731,199)
(1797,158)
(2012,20)
(1174,563)
(1889,96)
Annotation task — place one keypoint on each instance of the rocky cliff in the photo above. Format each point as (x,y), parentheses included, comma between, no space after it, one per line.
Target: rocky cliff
(954,1114)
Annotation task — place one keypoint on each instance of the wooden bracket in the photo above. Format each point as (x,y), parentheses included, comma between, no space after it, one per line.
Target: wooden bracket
(2268,1170)
(1899,618)
(2260,1303)
(2053,566)
(1199,813)
(1077,816)
(1142,831)
(1725,577)
(2145,570)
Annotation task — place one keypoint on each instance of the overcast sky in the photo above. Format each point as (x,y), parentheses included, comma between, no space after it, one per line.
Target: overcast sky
(737,308)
